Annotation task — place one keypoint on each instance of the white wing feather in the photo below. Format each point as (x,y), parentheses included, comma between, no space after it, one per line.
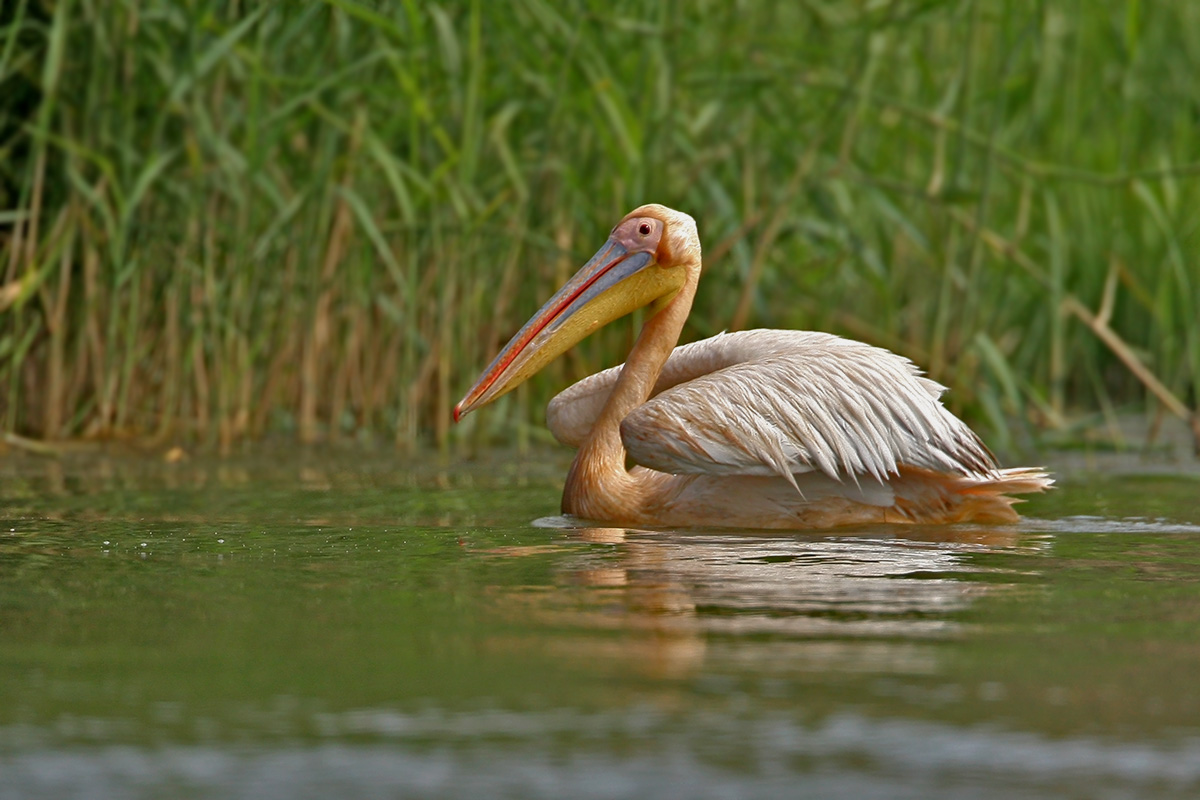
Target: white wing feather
(782,403)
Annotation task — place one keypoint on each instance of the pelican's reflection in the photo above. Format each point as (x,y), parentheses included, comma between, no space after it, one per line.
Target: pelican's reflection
(676,601)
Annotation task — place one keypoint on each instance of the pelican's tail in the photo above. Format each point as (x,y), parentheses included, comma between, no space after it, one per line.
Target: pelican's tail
(1018,480)
(925,496)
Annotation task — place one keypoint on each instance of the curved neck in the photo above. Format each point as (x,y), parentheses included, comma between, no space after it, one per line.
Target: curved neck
(601,457)
(645,361)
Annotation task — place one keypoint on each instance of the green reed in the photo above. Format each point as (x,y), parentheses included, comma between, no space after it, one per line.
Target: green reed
(220,220)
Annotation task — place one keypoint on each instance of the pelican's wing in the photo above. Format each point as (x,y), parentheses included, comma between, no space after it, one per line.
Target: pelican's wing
(789,402)
(573,411)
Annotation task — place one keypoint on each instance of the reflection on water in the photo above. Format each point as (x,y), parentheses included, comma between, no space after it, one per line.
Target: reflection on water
(316,626)
(820,603)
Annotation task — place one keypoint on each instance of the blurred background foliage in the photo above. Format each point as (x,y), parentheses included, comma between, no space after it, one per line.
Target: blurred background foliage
(222,220)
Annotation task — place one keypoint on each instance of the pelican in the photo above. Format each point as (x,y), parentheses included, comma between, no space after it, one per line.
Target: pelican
(753,429)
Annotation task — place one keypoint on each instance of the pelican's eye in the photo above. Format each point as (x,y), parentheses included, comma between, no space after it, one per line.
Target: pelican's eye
(644,229)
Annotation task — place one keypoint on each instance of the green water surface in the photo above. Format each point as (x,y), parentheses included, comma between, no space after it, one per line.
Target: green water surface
(346,624)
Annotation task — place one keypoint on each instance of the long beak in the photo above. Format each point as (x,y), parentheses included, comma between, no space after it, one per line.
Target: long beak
(610,285)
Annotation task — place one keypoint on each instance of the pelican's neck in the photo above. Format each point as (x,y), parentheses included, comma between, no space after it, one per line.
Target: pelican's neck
(601,458)
(645,362)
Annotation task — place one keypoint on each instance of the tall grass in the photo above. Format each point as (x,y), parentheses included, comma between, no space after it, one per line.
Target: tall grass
(224,219)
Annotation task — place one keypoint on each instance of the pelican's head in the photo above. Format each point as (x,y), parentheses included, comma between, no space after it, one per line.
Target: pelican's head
(645,262)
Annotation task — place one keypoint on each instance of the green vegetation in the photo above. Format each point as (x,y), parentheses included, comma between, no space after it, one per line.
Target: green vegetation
(223,219)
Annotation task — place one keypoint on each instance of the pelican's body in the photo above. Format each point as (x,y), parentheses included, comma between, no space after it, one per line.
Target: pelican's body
(763,429)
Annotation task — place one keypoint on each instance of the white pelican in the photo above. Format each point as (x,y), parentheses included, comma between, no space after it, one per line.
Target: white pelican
(759,429)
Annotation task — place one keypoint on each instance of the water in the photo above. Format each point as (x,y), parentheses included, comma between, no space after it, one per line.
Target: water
(326,624)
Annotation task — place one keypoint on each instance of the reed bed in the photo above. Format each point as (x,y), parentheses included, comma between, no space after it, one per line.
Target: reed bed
(222,220)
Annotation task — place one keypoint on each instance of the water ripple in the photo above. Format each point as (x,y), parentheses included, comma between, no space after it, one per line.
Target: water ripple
(508,754)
